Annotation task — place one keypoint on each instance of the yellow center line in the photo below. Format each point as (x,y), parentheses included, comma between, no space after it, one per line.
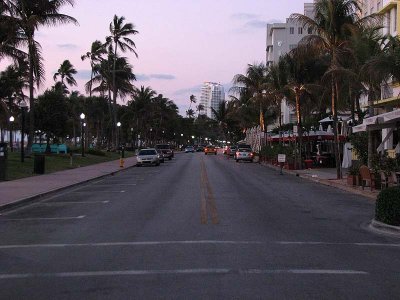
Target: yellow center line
(208,204)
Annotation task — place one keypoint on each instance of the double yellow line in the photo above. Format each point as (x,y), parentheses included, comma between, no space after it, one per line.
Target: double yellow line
(208,207)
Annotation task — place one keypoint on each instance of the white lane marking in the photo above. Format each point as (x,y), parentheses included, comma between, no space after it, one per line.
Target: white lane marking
(306,271)
(338,244)
(119,184)
(45,219)
(94,191)
(117,244)
(70,202)
(204,242)
(180,272)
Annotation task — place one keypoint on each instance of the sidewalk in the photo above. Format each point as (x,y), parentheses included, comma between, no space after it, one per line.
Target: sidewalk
(327,176)
(22,190)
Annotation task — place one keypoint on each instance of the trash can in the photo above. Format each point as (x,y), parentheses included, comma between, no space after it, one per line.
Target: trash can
(38,163)
(3,161)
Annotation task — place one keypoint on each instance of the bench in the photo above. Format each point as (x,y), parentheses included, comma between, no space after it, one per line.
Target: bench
(367,177)
(36,148)
(54,148)
(62,148)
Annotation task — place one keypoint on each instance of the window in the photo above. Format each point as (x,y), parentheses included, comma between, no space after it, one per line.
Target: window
(300,30)
(309,30)
(291,30)
(291,47)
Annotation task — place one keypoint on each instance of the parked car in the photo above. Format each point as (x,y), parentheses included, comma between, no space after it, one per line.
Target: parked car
(166,150)
(231,150)
(189,149)
(148,157)
(199,148)
(244,154)
(160,155)
(210,150)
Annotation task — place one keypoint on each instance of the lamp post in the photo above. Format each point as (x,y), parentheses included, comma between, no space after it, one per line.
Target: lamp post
(298,92)
(119,133)
(132,136)
(11,135)
(151,130)
(23,106)
(82,116)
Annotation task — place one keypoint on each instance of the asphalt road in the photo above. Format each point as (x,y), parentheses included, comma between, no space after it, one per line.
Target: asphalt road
(197,227)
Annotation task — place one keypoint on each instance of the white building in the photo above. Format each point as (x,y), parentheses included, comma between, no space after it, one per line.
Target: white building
(281,38)
(386,110)
(212,94)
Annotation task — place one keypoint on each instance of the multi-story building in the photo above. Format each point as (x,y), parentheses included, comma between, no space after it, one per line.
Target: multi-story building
(281,38)
(212,94)
(387,109)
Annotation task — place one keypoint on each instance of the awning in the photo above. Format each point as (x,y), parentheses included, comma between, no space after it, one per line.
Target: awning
(359,128)
(391,116)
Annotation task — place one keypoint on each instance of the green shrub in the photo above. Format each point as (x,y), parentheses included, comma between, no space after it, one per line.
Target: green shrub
(354,170)
(95,152)
(360,144)
(387,209)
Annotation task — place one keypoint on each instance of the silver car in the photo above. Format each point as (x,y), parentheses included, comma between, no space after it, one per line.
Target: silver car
(148,157)
(244,154)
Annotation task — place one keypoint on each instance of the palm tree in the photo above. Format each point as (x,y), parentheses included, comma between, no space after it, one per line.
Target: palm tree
(199,109)
(190,113)
(334,23)
(254,83)
(97,50)
(119,38)
(192,99)
(104,77)
(28,16)
(66,71)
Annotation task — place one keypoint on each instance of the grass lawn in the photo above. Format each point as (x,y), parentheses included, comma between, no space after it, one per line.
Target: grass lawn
(54,163)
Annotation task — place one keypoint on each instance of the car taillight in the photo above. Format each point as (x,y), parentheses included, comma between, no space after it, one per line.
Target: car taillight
(251,154)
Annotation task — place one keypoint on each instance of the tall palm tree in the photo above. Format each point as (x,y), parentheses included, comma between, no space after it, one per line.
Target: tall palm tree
(66,71)
(104,77)
(119,39)
(334,23)
(192,99)
(28,16)
(254,83)
(95,55)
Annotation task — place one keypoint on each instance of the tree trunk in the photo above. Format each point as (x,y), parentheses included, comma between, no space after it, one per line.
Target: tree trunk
(335,129)
(115,96)
(370,133)
(31,97)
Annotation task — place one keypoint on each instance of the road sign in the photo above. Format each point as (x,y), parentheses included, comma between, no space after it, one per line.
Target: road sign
(281,158)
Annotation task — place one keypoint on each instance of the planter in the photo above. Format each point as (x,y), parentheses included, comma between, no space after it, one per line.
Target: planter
(309,163)
(289,166)
(352,179)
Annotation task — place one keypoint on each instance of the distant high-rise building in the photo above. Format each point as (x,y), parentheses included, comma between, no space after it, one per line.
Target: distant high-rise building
(212,94)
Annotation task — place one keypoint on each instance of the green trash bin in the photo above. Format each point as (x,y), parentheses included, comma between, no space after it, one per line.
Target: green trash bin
(38,163)
(3,161)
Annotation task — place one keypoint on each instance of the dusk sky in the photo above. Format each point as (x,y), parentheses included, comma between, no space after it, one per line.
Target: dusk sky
(181,43)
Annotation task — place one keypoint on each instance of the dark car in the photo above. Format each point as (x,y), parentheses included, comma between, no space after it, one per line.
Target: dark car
(166,150)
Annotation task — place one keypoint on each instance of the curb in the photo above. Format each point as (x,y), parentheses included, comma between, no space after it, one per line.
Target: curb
(325,182)
(383,228)
(33,198)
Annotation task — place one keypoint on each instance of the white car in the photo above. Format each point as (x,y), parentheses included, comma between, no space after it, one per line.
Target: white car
(148,157)
(244,154)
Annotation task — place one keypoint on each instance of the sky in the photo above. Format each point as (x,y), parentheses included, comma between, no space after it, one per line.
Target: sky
(181,43)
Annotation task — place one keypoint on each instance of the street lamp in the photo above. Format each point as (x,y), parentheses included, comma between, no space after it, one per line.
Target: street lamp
(11,137)
(23,106)
(132,136)
(82,116)
(119,133)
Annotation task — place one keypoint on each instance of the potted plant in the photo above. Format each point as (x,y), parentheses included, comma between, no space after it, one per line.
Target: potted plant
(353,174)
